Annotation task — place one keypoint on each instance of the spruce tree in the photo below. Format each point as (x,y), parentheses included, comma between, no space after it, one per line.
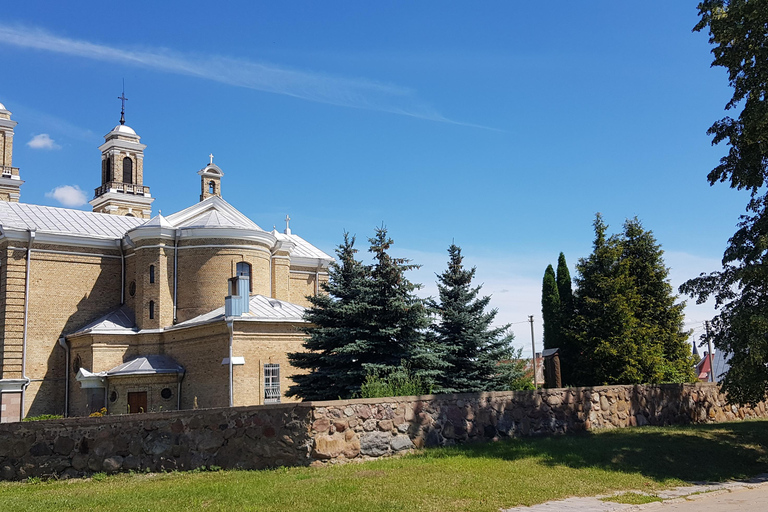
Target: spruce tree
(550,308)
(396,318)
(333,345)
(478,357)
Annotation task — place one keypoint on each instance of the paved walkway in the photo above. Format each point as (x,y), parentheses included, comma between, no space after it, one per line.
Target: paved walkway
(743,496)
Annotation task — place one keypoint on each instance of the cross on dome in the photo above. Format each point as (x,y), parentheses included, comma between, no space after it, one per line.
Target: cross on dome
(123,99)
(211,157)
(287,225)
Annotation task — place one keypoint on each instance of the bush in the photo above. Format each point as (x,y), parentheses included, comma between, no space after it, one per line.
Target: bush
(43,417)
(399,382)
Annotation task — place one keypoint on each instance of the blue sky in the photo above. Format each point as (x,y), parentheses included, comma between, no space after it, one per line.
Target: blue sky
(504,127)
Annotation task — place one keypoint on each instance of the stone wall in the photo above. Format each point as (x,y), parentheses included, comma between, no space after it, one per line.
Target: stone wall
(314,433)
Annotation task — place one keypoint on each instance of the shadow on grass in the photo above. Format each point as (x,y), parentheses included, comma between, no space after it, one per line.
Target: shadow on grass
(699,453)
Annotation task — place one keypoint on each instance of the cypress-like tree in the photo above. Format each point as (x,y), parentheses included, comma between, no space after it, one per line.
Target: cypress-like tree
(564,290)
(568,353)
(550,308)
(478,357)
(333,345)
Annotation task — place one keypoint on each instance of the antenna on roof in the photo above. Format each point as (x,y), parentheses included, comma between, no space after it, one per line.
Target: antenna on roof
(122,109)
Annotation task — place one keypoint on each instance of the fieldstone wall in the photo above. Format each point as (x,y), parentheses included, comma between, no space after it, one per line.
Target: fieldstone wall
(316,433)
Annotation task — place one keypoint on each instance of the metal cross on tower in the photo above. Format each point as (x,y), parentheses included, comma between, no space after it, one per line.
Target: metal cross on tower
(123,100)
(211,157)
(287,225)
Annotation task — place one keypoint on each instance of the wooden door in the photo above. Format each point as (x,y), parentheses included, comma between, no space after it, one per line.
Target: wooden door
(137,402)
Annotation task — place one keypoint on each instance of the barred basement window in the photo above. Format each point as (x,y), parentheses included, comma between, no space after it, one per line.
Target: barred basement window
(151,274)
(271,383)
(151,310)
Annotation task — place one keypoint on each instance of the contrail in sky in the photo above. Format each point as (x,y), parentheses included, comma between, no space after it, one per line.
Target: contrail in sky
(318,87)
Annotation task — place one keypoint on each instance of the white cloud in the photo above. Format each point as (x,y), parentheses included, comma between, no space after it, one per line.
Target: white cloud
(68,195)
(43,141)
(311,86)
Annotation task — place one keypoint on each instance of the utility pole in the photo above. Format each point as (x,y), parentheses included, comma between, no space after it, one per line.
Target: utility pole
(709,354)
(533,357)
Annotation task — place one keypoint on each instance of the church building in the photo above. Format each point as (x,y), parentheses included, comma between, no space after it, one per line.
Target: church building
(118,309)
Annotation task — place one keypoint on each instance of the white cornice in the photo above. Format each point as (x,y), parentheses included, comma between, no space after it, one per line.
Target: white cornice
(65,239)
(262,237)
(13,181)
(122,144)
(149,232)
(117,197)
(298,261)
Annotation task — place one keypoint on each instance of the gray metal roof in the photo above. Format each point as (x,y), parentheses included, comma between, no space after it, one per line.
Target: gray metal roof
(49,219)
(147,365)
(260,309)
(303,248)
(119,321)
(198,215)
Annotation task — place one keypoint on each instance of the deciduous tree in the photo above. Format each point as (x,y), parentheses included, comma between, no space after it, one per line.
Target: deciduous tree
(737,29)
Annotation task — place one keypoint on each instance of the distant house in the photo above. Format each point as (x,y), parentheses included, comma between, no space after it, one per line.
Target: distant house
(703,369)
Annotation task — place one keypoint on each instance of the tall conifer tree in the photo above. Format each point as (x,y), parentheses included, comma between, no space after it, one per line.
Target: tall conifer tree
(550,308)
(568,353)
(370,321)
(334,346)
(627,326)
(479,357)
(564,290)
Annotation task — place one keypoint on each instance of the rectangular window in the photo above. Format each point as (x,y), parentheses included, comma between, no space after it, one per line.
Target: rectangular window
(151,273)
(271,383)
(151,310)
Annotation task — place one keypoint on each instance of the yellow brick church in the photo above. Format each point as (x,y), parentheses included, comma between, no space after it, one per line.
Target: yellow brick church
(116,308)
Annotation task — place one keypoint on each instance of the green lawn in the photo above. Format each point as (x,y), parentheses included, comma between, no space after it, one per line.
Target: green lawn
(482,477)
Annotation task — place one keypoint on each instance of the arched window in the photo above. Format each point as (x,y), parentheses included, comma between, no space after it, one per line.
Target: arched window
(211,187)
(127,170)
(244,269)
(151,310)
(107,170)
(151,273)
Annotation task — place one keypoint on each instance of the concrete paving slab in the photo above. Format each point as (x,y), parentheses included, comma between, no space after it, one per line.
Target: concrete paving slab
(737,496)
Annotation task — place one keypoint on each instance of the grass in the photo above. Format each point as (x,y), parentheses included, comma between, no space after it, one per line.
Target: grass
(633,498)
(479,477)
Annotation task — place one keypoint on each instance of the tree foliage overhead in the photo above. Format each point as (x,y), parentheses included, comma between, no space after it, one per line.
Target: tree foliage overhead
(477,356)
(738,30)
(626,327)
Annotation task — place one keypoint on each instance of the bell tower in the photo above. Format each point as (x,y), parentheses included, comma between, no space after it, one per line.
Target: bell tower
(210,180)
(122,190)
(10,182)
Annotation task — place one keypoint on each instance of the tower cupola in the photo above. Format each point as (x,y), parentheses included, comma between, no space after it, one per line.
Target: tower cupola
(122,190)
